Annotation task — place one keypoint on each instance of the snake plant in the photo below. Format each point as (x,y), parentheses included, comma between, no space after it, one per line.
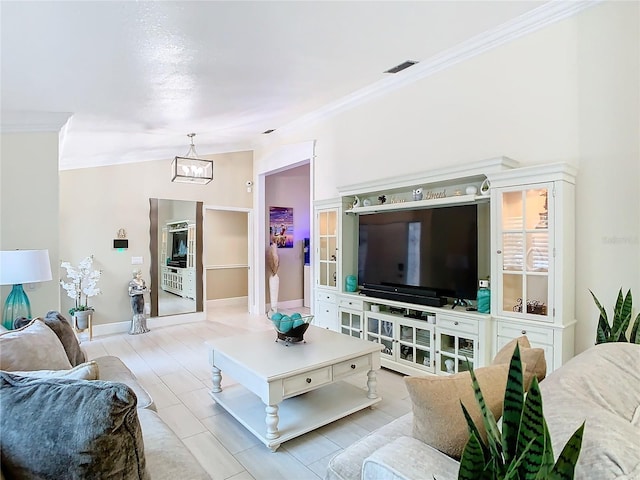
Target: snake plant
(621,320)
(523,450)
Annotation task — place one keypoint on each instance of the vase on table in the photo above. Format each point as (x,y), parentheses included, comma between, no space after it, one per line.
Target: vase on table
(274,286)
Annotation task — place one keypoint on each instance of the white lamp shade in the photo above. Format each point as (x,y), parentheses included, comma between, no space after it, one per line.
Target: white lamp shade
(24,266)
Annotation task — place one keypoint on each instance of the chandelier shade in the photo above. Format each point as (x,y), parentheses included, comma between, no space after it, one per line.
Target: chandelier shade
(190,168)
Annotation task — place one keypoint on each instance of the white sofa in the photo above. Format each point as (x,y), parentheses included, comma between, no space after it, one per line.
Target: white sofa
(600,386)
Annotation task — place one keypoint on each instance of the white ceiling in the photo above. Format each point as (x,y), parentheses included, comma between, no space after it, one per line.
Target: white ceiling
(138,76)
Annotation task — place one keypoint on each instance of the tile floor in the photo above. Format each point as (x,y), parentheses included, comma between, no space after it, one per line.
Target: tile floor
(172,364)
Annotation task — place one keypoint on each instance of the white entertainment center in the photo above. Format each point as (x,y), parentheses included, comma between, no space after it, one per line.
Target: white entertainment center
(179,276)
(528,252)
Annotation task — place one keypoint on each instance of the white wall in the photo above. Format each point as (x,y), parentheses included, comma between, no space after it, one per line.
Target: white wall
(566,93)
(96,202)
(29,207)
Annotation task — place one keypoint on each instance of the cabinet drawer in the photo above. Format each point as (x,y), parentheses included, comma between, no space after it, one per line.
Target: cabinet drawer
(356,365)
(456,323)
(536,335)
(326,297)
(326,315)
(349,302)
(326,310)
(306,381)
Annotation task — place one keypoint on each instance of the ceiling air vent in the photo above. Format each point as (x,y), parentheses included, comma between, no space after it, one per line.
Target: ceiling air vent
(402,66)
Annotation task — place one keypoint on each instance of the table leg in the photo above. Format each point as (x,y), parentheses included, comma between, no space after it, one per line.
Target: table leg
(372,384)
(216,377)
(272,422)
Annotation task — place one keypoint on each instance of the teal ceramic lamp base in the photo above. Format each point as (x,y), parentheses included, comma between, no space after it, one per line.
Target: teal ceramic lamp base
(16,306)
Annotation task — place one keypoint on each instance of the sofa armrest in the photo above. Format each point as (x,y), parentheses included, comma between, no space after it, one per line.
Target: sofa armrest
(166,456)
(407,458)
(112,369)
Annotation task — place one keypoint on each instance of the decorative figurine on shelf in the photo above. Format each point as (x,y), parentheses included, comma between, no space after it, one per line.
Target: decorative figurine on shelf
(450,365)
(356,202)
(417,194)
(382,199)
(137,288)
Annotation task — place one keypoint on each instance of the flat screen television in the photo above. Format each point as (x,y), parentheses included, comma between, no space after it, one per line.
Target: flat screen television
(179,247)
(429,252)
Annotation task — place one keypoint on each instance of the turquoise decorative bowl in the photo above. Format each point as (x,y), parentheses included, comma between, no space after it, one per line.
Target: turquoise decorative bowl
(290,328)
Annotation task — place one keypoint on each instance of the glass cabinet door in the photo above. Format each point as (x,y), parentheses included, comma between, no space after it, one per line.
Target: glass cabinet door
(328,248)
(524,250)
(455,352)
(380,331)
(351,323)
(415,344)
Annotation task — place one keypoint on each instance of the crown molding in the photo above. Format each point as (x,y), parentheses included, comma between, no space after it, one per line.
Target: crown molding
(540,17)
(33,122)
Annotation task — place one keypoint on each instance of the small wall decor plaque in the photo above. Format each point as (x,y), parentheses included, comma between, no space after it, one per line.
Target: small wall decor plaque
(434,195)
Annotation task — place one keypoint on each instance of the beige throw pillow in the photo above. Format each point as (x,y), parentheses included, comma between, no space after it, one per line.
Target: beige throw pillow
(532,358)
(437,415)
(84,371)
(32,347)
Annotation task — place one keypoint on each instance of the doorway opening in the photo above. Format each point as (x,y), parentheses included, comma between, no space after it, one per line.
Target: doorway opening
(228,258)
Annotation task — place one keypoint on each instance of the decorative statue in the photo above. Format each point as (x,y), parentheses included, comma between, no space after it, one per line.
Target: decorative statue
(137,288)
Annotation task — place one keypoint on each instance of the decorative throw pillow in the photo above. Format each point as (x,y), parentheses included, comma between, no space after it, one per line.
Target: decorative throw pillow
(84,371)
(438,419)
(532,358)
(84,429)
(63,329)
(33,347)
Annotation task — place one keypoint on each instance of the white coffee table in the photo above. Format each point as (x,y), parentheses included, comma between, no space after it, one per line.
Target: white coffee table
(272,377)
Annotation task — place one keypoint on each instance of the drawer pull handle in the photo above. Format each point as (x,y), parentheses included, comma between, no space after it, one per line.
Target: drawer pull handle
(308,380)
(353,366)
(455,323)
(524,332)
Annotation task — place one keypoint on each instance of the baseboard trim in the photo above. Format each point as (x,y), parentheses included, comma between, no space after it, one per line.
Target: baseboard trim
(288,304)
(228,302)
(153,322)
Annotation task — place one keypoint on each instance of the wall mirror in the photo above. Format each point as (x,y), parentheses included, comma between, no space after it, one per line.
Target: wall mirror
(175,234)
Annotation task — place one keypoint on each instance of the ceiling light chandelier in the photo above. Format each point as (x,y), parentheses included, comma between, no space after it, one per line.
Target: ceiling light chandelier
(190,168)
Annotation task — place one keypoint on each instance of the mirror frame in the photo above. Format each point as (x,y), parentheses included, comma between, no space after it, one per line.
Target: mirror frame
(153,247)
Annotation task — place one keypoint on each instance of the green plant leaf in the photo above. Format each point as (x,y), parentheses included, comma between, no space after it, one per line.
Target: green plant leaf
(621,317)
(473,460)
(512,406)
(564,468)
(532,431)
(488,420)
(473,430)
(635,331)
(618,331)
(513,470)
(603,333)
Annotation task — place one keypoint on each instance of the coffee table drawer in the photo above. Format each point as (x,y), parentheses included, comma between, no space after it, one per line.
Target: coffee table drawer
(356,365)
(306,381)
